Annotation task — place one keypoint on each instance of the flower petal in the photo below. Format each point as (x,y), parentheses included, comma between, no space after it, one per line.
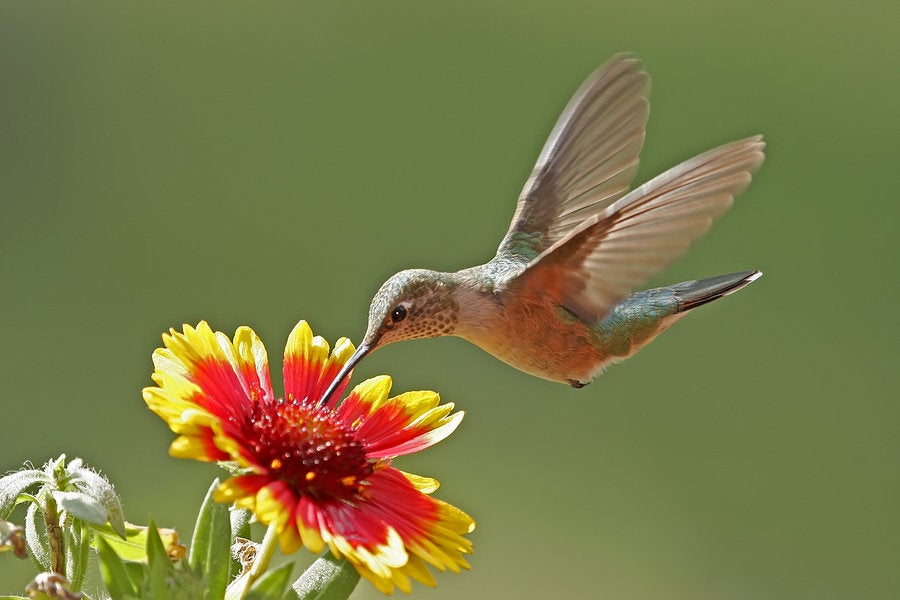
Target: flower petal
(392,533)
(198,447)
(426,485)
(181,416)
(252,361)
(343,350)
(401,425)
(205,369)
(308,365)
(275,504)
(365,399)
(235,489)
(419,437)
(306,519)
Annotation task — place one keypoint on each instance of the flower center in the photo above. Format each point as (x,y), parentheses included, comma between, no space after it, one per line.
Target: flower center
(308,448)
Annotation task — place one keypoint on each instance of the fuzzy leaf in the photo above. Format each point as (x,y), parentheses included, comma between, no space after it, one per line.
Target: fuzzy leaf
(81,505)
(272,584)
(36,537)
(14,484)
(77,552)
(101,490)
(56,468)
(240,523)
(327,579)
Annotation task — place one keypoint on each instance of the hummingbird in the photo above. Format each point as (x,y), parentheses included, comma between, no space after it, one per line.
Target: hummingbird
(556,300)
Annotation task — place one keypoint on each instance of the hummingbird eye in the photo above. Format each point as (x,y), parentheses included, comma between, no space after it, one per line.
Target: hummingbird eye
(398,314)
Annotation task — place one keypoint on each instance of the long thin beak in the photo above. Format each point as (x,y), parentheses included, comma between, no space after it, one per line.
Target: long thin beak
(357,356)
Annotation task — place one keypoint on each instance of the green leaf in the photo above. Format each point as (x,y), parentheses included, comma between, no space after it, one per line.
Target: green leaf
(134,547)
(156,550)
(84,556)
(200,538)
(272,584)
(218,561)
(327,579)
(136,571)
(81,505)
(211,543)
(55,469)
(36,537)
(77,551)
(14,484)
(115,576)
(100,489)
(161,570)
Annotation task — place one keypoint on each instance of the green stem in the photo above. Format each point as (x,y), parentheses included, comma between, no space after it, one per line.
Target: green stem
(263,558)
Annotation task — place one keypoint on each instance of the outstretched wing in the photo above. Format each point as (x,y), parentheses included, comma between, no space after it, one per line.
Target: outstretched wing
(588,161)
(599,262)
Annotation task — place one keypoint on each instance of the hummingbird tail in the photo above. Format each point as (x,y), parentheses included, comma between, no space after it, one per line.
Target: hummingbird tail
(692,294)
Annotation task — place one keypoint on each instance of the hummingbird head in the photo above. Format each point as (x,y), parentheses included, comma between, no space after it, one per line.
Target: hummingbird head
(411,304)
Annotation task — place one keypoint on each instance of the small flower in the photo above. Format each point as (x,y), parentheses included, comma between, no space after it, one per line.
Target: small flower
(51,585)
(320,474)
(12,538)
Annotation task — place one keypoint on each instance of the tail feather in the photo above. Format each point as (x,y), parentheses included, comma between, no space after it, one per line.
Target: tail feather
(698,292)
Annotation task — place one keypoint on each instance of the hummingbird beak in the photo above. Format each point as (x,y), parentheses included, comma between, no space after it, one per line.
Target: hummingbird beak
(357,356)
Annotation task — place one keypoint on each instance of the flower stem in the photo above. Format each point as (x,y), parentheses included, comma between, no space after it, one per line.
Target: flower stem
(263,557)
(54,536)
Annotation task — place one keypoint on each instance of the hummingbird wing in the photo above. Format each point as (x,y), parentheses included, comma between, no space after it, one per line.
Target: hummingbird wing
(587,162)
(599,262)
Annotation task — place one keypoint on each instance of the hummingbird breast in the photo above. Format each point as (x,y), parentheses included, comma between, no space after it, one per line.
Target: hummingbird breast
(532,335)
(538,336)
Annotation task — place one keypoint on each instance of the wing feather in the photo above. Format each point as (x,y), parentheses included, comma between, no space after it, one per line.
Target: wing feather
(600,261)
(589,159)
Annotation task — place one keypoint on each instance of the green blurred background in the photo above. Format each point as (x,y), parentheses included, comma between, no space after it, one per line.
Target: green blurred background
(258,163)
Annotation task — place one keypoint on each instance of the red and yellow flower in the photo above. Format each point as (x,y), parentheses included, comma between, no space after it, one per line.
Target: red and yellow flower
(320,474)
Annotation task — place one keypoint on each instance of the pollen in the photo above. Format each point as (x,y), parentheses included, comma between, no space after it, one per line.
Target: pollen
(312,451)
(256,392)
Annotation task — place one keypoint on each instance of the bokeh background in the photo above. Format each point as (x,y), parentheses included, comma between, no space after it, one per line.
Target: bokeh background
(258,163)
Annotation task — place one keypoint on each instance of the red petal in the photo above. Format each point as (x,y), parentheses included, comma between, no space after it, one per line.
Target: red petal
(212,452)
(389,431)
(250,484)
(390,501)
(221,392)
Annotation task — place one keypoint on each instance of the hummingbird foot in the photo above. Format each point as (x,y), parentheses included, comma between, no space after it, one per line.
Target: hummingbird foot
(578,384)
